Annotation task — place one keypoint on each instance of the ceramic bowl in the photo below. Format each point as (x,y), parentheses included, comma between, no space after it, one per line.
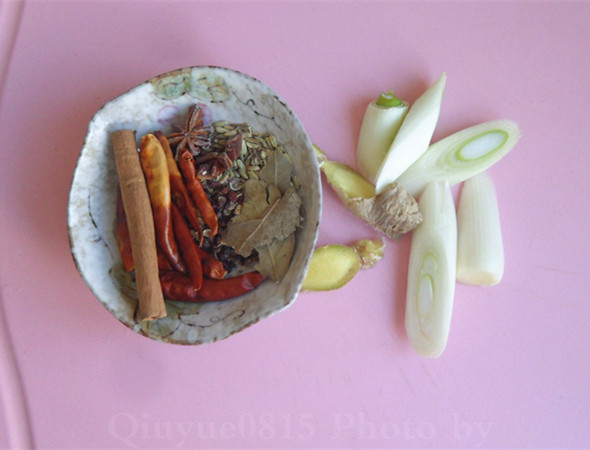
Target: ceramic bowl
(227,95)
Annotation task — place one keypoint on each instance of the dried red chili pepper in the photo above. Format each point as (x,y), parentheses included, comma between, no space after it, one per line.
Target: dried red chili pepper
(163,264)
(179,287)
(212,267)
(122,235)
(188,248)
(230,287)
(155,169)
(178,190)
(195,188)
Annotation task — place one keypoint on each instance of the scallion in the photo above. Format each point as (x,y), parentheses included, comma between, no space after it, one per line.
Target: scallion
(388,100)
(480,252)
(381,122)
(461,155)
(431,273)
(414,135)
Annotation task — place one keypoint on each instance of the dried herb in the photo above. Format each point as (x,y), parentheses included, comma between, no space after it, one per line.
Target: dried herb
(278,170)
(274,258)
(258,196)
(265,227)
(278,221)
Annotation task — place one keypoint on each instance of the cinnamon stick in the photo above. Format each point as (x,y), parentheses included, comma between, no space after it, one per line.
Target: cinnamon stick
(141,225)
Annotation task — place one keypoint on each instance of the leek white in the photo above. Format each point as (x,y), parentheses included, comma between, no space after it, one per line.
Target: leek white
(480,251)
(378,129)
(432,272)
(414,135)
(462,155)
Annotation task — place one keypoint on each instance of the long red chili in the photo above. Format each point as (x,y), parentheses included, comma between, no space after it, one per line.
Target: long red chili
(179,192)
(179,287)
(188,248)
(155,169)
(122,235)
(195,188)
(163,264)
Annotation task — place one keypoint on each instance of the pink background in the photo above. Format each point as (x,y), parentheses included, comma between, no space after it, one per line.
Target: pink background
(335,369)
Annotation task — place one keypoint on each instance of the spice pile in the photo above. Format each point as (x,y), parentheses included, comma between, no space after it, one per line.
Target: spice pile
(224,210)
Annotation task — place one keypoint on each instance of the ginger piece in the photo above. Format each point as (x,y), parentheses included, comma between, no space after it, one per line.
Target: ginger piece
(320,155)
(370,251)
(347,182)
(392,212)
(334,265)
(331,267)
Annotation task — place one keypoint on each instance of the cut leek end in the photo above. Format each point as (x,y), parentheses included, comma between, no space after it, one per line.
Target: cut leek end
(388,100)
(480,251)
(331,267)
(479,277)
(426,348)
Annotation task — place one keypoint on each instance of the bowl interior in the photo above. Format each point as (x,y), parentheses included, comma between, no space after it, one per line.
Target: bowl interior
(157,104)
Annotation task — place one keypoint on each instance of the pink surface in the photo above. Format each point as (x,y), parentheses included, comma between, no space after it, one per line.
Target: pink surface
(335,369)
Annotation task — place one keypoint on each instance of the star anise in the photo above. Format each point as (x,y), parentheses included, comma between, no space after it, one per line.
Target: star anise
(195,137)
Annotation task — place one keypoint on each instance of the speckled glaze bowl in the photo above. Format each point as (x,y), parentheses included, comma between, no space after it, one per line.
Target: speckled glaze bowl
(228,95)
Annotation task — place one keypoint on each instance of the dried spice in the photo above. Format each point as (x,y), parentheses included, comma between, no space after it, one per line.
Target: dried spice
(274,258)
(258,197)
(208,178)
(195,136)
(278,170)
(278,221)
(229,192)
(266,227)
(228,158)
(210,165)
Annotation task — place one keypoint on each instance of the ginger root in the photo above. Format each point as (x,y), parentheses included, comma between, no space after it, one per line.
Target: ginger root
(334,265)
(393,212)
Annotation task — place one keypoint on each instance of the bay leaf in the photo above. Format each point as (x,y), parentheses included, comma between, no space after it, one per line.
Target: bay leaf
(278,221)
(274,258)
(258,196)
(278,170)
